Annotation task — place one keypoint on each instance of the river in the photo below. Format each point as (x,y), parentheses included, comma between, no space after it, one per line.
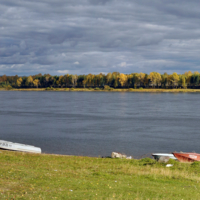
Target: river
(97,123)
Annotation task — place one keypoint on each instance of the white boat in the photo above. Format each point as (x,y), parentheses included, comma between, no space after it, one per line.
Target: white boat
(158,155)
(19,147)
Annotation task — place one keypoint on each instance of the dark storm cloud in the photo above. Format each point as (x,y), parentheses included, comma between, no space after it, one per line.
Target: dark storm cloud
(93,36)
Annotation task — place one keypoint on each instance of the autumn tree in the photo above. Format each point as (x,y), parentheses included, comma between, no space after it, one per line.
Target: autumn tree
(29,81)
(122,79)
(165,80)
(52,81)
(19,82)
(89,80)
(155,78)
(61,81)
(146,81)
(36,82)
(135,80)
(80,80)
(188,76)
(67,79)
(174,78)
(194,81)
(129,80)
(115,79)
(4,78)
(100,80)
(12,80)
(109,79)
(141,77)
(182,81)
(74,80)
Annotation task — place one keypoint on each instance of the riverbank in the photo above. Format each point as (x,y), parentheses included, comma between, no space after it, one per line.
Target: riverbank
(40,176)
(103,90)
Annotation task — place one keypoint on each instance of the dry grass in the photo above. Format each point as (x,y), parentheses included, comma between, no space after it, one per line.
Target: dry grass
(151,90)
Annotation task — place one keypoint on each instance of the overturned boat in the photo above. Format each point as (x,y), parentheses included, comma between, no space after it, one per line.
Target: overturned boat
(187,157)
(158,156)
(19,147)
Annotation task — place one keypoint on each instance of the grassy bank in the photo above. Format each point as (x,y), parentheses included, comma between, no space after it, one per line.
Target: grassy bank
(103,90)
(31,176)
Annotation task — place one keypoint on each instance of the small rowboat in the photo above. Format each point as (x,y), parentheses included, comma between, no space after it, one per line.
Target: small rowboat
(157,156)
(19,147)
(187,157)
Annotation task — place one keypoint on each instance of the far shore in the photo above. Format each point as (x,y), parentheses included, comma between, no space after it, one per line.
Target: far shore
(151,90)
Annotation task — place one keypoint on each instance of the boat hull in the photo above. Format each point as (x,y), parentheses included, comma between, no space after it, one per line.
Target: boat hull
(187,157)
(157,156)
(19,147)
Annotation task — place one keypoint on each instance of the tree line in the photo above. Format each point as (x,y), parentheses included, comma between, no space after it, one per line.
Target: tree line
(112,80)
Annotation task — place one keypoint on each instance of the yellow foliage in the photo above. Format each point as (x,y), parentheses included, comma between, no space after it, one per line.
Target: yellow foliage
(188,76)
(108,78)
(141,77)
(19,82)
(122,79)
(89,79)
(36,82)
(189,73)
(155,78)
(60,78)
(29,80)
(174,78)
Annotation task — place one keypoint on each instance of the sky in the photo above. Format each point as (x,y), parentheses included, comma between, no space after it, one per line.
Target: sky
(99,36)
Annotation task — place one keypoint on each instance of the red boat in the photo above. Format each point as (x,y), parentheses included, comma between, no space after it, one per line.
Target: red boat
(187,157)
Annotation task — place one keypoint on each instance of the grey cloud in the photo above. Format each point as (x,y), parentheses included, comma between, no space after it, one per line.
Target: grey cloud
(43,61)
(23,44)
(51,35)
(149,40)
(110,44)
(188,9)
(99,2)
(59,38)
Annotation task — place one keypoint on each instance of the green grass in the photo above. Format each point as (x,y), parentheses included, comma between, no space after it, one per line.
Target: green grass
(33,176)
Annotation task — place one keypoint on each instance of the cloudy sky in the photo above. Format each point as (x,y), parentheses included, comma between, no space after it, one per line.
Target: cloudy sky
(93,36)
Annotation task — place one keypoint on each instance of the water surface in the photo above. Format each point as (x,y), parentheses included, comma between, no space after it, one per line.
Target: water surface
(97,123)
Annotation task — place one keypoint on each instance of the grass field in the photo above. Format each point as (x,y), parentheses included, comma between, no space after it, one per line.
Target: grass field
(33,176)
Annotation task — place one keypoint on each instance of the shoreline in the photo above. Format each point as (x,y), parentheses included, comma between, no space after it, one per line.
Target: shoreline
(103,90)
